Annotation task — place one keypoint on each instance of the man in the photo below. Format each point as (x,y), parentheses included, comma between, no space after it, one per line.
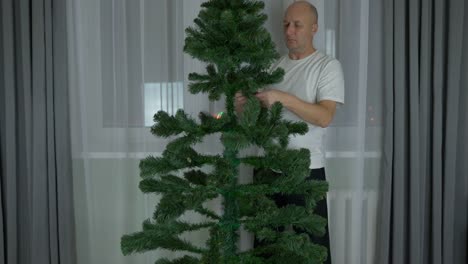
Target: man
(312,87)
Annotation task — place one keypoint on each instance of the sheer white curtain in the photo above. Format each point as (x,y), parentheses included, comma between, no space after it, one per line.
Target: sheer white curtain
(351,31)
(126,62)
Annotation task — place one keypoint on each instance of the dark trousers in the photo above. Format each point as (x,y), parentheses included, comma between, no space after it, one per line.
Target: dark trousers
(321,209)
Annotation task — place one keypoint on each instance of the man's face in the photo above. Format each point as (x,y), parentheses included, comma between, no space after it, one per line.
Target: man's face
(299,28)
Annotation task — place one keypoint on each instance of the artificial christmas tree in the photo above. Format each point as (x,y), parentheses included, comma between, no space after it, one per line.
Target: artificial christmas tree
(229,36)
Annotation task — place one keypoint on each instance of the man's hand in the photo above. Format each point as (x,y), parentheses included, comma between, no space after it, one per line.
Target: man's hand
(320,114)
(271,96)
(239,102)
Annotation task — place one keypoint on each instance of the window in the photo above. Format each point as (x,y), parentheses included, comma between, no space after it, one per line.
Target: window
(167,97)
(141,60)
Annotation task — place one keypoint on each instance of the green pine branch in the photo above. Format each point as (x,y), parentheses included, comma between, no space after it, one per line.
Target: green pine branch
(183,260)
(154,239)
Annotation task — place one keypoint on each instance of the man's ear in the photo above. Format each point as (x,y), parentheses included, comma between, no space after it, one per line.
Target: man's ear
(314,28)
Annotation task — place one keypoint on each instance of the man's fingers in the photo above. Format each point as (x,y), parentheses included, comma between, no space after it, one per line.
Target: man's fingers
(263,98)
(260,96)
(238,95)
(241,100)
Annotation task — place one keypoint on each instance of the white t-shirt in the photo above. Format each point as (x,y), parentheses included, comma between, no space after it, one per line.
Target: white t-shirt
(314,78)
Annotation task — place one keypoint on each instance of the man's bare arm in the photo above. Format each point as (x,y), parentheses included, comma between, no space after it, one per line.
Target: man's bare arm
(320,114)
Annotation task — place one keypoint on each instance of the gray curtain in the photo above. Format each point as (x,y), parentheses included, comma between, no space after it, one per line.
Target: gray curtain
(36,213)
(425,200)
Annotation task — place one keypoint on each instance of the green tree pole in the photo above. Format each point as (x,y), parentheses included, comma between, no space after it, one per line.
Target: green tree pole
(230,38)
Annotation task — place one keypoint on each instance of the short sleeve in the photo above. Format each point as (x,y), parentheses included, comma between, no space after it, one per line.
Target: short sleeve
(331,83)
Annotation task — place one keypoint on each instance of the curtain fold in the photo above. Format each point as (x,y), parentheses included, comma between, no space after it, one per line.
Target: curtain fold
(423,210)
(36,180)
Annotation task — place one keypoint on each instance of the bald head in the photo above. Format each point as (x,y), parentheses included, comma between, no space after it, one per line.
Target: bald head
(300,26)
(308,7)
